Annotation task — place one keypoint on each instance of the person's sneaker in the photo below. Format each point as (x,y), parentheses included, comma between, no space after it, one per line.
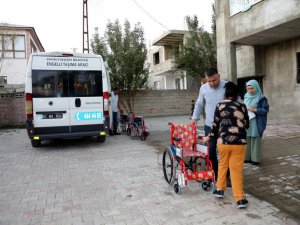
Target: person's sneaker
(218,193)
(242,203)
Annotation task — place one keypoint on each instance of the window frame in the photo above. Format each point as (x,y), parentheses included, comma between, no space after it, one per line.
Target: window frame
(156,58)
(4,52)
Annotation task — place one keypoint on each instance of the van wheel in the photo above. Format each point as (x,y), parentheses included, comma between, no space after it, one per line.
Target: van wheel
(101,139)
(35,143)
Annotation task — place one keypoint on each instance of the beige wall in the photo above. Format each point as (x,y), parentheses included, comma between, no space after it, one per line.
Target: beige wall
(147,103)
(164,102)
(15,69)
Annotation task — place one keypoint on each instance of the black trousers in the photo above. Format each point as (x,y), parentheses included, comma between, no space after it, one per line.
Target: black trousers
(115,122)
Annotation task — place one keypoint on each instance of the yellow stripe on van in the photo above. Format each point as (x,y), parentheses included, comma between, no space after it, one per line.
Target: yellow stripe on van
(36,138)
(102,133)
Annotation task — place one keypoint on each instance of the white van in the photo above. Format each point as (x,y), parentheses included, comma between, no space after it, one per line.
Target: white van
(67,95)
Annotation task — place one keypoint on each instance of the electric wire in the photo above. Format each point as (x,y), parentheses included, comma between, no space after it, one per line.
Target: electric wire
(148,14)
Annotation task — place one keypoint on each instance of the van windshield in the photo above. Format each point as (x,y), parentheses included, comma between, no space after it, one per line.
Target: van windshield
(56,83)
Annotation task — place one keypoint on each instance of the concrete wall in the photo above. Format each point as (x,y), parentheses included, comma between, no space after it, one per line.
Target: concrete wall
(266,22)
(224,48)
(280,83)
(245,61)
(275,60)
(164,102)
(262,16)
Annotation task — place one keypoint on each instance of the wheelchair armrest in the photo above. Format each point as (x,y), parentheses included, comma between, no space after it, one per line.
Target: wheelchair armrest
(176,138)
(200,140)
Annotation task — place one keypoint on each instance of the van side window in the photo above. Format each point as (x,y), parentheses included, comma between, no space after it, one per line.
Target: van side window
(49,83)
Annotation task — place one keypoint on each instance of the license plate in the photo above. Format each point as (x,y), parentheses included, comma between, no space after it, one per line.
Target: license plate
(52,116)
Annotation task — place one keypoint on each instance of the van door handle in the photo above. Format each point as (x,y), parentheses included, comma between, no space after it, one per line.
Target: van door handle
(77,102)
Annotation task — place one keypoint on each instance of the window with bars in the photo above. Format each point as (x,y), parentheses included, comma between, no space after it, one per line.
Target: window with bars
(12,46)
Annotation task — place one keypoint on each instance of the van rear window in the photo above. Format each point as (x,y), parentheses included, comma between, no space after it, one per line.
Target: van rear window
(55,83)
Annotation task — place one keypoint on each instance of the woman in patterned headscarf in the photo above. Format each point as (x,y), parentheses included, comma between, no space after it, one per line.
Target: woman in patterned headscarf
(258,107)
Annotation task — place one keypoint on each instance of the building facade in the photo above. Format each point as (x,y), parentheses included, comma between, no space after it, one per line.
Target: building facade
(260,39)
(161,59)
(16,44)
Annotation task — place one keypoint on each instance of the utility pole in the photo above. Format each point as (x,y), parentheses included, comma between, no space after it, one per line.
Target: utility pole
(85,43)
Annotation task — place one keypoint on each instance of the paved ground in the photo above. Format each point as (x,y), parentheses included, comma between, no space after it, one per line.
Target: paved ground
(118,182)
(277,179)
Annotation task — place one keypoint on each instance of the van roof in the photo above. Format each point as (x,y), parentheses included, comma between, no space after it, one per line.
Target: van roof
(66,54)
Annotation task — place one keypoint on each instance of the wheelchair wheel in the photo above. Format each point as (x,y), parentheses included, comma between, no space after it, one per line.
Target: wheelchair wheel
(128,131)
(177,188)
(200,164)
(144,135)
(134,132)
(123,128)
(168,163)
(206,185)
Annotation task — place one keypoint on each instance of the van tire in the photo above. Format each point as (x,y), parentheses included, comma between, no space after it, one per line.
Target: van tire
(35,143)
(101,139)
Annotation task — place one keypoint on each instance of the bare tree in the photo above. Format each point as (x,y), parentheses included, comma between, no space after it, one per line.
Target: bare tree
(5,43)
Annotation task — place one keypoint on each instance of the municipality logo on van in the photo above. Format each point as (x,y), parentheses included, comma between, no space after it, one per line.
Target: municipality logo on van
(89,116)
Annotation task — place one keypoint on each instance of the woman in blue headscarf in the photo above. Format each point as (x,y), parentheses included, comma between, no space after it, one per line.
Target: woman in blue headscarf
(258,107)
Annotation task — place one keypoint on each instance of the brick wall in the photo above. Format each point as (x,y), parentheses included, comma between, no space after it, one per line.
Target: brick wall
(164,102)
(12,109)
